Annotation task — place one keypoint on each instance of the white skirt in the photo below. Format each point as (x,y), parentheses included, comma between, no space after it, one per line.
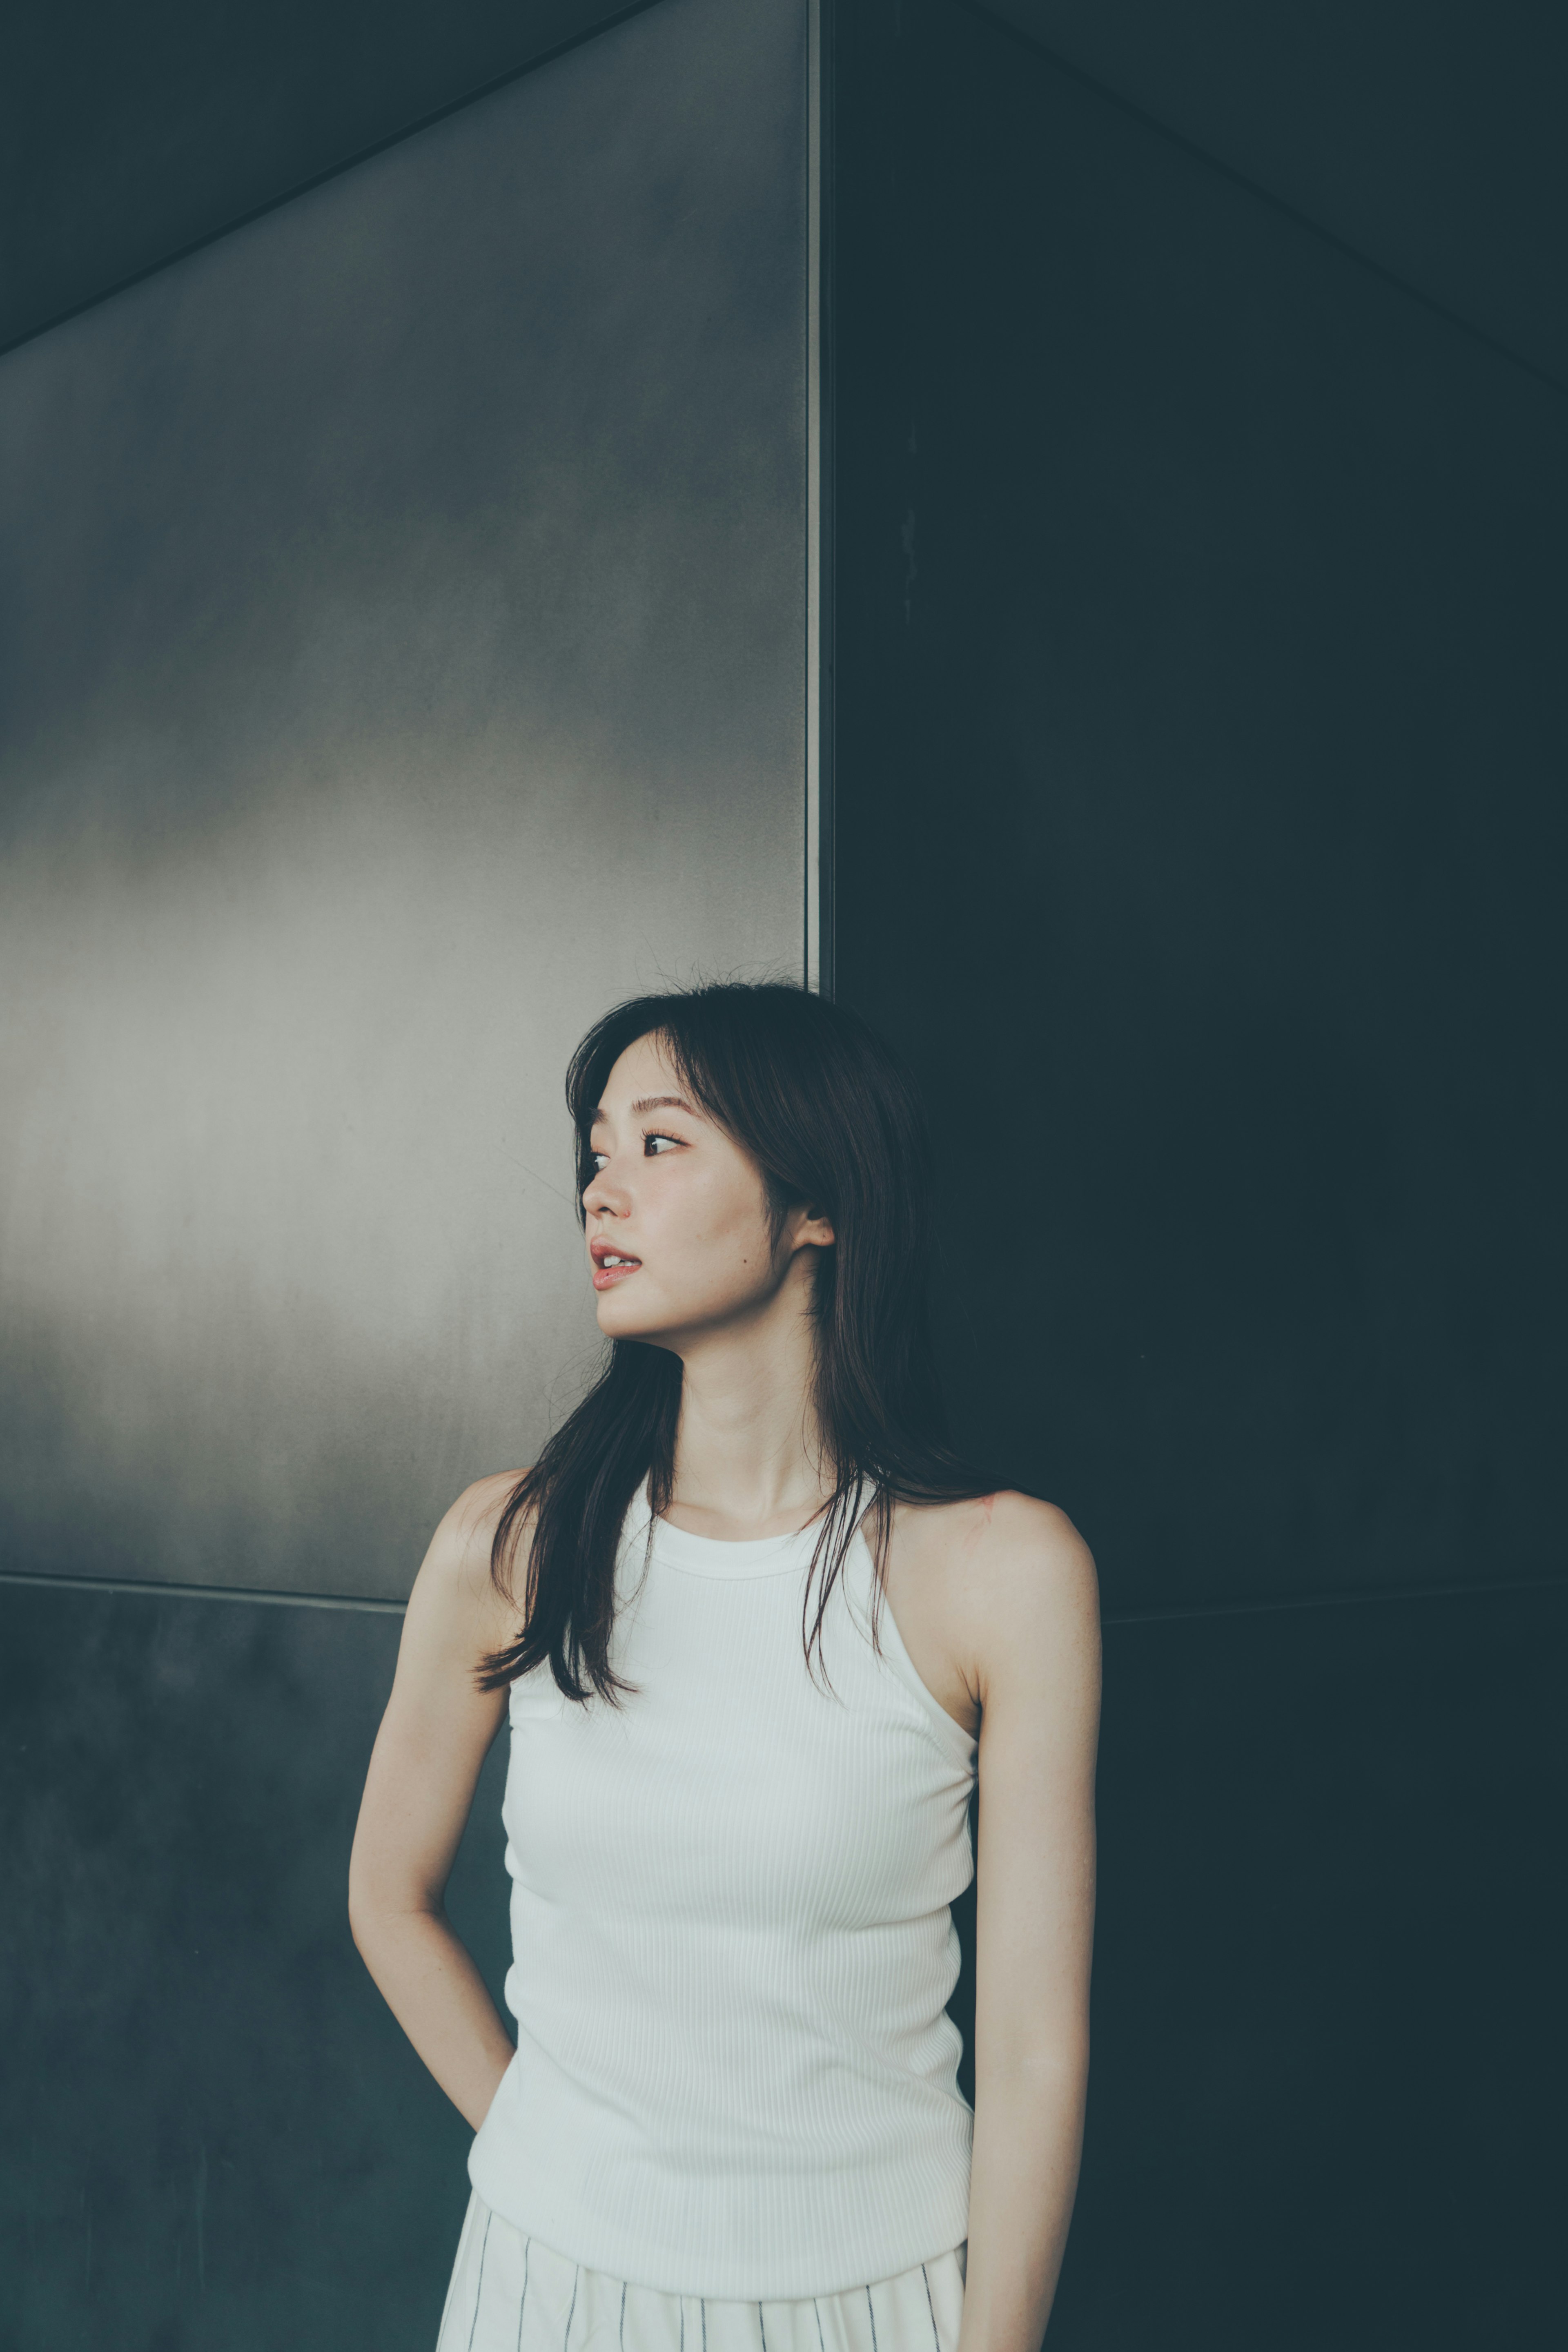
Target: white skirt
(510,2294)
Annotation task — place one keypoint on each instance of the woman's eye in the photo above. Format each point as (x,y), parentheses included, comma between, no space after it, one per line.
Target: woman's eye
(650,1145)
(598,1159)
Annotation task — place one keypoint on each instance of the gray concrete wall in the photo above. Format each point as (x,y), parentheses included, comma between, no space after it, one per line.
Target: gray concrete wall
(403,642)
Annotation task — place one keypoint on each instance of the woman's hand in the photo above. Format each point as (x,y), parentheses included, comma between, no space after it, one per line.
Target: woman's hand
(432,1740)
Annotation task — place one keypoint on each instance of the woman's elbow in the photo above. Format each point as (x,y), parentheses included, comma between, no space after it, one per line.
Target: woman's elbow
(362,1916)
(379,1905)
(1050,2066)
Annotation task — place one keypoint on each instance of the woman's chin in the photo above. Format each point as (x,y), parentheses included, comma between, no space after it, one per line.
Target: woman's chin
(620,1317)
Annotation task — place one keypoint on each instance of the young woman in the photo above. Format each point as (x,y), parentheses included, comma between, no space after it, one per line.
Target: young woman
(756,1628)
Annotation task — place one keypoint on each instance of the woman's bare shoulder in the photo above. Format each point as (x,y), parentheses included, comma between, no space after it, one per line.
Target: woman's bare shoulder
(1005,1530)
(454,1580)
(998,1592)
(1015,1580)
(471,1522)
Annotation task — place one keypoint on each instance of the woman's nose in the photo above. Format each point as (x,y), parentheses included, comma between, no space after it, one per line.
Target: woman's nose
(601,1194)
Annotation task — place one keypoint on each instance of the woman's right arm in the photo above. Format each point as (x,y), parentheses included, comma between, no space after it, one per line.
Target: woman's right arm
(431,1743)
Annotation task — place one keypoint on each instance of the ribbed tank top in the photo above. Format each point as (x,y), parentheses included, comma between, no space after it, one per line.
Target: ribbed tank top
(732,1940)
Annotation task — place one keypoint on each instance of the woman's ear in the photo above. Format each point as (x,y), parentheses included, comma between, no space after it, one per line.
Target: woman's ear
(810,1226)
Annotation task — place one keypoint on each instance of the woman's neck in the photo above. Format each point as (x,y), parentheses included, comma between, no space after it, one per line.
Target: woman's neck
(748,1452)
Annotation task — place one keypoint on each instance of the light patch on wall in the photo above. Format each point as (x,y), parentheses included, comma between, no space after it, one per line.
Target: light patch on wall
(408,664)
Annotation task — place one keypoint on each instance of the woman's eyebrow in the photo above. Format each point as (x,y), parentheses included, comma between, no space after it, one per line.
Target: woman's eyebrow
(651,1102)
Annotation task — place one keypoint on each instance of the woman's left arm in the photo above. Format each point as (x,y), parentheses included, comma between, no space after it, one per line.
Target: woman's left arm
(1033,1607)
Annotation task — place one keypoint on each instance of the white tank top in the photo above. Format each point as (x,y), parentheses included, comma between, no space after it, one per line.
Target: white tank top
(732,1940)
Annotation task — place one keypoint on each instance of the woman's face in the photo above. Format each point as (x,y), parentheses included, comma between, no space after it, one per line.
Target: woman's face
(678,1232)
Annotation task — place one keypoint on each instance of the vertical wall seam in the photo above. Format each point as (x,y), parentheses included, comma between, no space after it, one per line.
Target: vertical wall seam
(819,874)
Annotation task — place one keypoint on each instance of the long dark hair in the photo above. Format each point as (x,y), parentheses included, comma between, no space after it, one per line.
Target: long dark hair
(822,1105)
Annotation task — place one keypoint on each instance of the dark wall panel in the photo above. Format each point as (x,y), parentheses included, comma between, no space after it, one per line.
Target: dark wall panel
(1330,2060)
(1427,133)
(213,2136)
(402,615)
(1202,718)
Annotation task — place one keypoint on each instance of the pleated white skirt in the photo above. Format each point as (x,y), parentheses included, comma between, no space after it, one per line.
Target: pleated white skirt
(510,2294)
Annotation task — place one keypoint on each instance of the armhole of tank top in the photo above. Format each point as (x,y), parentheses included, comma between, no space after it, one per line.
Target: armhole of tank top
(537,1696)
(962,1747)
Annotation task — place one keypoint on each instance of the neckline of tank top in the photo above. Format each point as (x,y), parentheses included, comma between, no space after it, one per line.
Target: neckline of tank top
(787,1555)
(719,1556)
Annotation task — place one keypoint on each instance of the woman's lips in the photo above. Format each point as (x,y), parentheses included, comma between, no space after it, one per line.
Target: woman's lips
(611,1267)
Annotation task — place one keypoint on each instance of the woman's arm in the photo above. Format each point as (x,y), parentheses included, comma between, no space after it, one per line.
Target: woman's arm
(432,1740)
(1034,1608)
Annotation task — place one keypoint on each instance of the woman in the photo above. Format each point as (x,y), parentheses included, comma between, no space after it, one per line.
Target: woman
(756,1628)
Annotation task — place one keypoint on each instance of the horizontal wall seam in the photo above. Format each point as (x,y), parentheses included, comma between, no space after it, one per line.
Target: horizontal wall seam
(329,172)
(164,1590)
(1264,195)
(1339,1598)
